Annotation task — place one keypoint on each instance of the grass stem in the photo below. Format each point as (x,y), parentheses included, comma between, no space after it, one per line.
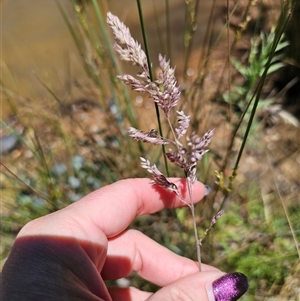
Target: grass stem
(151,78)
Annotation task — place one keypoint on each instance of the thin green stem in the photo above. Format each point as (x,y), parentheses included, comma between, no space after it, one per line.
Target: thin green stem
(285,210)
(145,39)
(151,78)
(169,49)
(198,246)
(192,12)
(277,38)
(192,208)
(283,20)
(107,41)
(177,142)
(40,193)
(191,204)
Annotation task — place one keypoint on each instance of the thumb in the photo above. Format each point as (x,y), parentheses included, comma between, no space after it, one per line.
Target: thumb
(204,286)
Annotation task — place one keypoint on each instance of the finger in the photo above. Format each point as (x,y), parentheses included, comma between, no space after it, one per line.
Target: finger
(206,286)
(133,250)
(190,288)
(111,209)
(128,294)
(115,206)
(198,286)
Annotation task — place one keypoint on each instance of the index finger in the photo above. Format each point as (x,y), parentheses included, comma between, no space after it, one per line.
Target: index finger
(114,207)
(111,209)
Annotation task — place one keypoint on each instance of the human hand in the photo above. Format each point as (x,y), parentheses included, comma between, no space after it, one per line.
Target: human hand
(67,255)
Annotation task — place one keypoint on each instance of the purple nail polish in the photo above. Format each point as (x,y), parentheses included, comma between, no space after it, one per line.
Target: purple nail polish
(230,287)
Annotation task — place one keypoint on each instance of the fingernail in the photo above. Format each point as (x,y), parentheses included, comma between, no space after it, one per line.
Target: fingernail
(229,287)
(207,190)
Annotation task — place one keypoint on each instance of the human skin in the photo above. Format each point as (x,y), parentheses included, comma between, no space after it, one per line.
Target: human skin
(68,255)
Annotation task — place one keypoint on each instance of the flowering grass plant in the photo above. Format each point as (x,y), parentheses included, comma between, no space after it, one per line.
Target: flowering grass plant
(165,92)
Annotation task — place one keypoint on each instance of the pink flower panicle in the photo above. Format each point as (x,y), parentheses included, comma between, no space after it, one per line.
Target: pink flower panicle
(178,158)
(184,123)
(157,177)
(216,217)
(149,137)
(135,84)
(187,159)
(166,94)
(199,144)
(212,223)
(128,49)
(165,90)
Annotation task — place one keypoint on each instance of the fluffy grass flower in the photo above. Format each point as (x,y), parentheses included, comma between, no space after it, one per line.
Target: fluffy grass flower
(165,92)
